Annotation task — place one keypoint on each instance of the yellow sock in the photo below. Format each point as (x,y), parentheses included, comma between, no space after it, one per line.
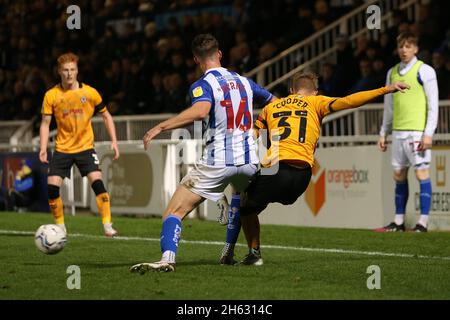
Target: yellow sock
(56,208)
(104,207)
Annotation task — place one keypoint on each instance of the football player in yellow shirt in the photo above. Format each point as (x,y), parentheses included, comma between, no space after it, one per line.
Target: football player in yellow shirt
(73,104)
(293,124)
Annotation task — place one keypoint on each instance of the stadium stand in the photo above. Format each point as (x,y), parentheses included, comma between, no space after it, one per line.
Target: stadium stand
(137,52)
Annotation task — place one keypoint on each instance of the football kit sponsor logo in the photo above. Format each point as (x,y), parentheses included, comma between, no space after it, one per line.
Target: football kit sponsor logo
(72,112)
(315,193)
(197,92)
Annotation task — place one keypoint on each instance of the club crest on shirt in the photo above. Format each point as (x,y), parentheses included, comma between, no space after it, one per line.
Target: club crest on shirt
(83,99)
(197,92)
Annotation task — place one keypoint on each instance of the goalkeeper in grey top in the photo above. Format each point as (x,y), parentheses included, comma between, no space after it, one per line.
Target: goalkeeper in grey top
(412,118)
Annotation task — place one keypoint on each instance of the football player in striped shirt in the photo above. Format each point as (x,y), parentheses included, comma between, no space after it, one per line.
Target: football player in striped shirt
(73,104)
(223,100)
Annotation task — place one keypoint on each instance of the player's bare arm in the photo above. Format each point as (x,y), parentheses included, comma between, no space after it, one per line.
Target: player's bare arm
(43,137)
(111,128)
(197,111)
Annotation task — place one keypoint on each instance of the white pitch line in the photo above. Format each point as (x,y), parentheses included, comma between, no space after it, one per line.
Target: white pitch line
(219,243)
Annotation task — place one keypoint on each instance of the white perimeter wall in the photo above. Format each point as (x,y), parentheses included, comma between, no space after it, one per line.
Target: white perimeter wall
(353,188)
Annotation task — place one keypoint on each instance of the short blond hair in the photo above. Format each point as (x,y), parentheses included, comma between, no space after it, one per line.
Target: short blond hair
(305,80)
(67,57)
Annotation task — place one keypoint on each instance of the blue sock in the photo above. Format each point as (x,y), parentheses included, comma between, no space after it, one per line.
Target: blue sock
(170,236)
(234,224)
(401,196)
(425,196)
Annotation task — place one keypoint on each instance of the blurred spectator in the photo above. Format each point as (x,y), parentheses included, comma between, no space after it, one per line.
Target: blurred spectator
(328,84)
(339,7)
(21,196)
(318,23)
(26,111)
(241,59)
(346,67)
(175,96)
(301,26)
(398,17)
(379,71)
(427,29)
(367,80)
(6,112)
(442,74)
(267,51)
(323,11)
(362,45)
(388,49)
(155,98)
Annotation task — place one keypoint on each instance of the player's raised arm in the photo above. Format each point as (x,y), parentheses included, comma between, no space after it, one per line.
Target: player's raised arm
(360,98)
(198,111)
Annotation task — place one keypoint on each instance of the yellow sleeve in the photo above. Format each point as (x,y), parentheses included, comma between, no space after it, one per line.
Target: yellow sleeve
(323,104)
(97,101)
(355,100)
(261,121)
(47,104)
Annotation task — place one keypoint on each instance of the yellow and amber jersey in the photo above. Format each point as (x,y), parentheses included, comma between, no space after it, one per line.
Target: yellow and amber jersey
(293,123)
(73,111)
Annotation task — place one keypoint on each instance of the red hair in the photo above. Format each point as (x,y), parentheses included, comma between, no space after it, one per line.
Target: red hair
(67,57)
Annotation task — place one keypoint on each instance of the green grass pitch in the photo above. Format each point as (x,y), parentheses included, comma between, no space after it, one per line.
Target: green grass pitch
(299,263)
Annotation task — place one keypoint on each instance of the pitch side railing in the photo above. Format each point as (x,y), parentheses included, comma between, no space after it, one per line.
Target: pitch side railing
(364,121)
(321,47)
(345,128)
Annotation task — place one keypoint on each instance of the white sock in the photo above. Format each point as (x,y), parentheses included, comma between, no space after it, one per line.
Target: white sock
(168,256)
(399,219)
(108,226)
(423,220)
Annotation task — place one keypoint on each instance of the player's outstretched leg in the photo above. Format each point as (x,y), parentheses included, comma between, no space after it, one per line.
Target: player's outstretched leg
(251,227)
(170,236)
(233,229)
(183,201)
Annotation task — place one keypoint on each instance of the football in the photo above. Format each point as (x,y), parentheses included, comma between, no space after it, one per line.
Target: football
(50,238)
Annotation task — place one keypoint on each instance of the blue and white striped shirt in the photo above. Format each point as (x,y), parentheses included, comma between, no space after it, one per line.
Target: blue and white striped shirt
(229,138)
